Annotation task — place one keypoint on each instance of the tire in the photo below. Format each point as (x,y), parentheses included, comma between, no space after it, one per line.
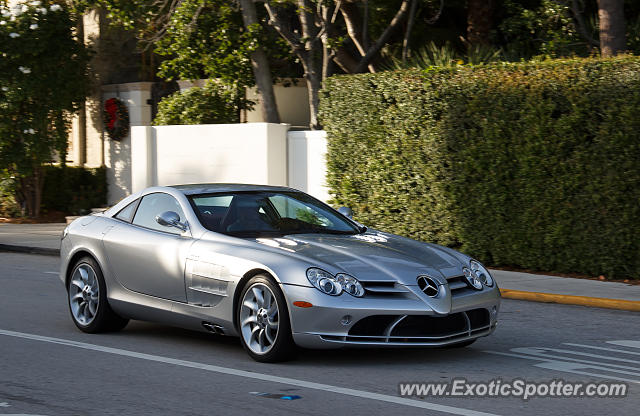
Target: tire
(264,325)
(87,299)
(462,344)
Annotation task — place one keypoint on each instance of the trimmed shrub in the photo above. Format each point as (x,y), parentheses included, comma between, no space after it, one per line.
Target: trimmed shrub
(215,103)
(534,165)
(74,190)
(8,205)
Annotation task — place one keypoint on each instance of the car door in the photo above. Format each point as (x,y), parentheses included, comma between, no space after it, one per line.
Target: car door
(147,257)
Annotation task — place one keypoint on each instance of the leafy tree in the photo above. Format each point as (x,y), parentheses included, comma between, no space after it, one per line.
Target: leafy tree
(317,37)
(203,38)
(548,28)
(43,80)
(318,33)
(206,38)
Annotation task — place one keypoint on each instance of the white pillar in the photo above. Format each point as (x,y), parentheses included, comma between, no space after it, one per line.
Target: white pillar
(118,154)
(142,157)
(307,162)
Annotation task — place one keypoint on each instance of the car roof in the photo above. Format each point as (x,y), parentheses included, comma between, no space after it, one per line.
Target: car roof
(209,188)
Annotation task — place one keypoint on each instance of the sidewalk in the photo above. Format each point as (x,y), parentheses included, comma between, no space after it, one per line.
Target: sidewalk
(45,239)
(567,290)
(31,238)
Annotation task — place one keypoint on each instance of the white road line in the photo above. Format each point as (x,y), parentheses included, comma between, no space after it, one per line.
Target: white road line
(571,367)
(540,352)
(632,344)
(576,369)
(252,375)
(586,354)
(601,348)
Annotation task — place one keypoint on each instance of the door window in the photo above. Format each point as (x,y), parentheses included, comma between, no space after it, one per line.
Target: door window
(153,205)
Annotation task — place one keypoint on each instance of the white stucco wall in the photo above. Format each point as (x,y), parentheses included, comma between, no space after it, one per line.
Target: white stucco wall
(292,101)
(307,162)
(241,153)
(258,153)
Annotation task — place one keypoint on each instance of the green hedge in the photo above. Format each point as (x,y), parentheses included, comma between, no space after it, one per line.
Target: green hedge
(534,165)
(215,103)
(74,190)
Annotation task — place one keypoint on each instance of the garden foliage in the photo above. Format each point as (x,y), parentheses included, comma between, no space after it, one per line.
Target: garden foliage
(74,190)
(215,103)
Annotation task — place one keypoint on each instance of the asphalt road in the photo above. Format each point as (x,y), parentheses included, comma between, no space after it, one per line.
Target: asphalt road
(48,367)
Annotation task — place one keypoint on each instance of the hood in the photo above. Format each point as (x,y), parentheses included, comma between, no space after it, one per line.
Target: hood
(373,256)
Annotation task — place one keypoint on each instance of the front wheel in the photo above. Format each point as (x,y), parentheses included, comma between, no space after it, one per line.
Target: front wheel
(88,303)
(263,321)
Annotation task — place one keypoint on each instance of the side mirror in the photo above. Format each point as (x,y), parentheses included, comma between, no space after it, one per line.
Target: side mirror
(171,219)
(346,211)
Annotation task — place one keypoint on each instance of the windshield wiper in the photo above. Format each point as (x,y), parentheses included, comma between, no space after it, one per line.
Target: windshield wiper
(321,231)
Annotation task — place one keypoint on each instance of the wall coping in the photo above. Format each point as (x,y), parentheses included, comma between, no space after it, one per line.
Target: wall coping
(129,86)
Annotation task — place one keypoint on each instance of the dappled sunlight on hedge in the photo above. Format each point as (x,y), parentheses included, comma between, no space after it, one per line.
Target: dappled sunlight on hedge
(533,165)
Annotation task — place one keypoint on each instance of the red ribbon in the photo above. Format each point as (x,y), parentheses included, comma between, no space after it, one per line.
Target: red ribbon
(111,107)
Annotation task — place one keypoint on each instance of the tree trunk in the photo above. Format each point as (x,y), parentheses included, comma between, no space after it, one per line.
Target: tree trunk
(479,21)
(314,84)
(38,188)
(407,32)
(260,66)
(612,30)
(312,58)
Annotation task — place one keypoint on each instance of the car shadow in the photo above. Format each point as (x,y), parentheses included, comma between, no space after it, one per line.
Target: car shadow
(206,343)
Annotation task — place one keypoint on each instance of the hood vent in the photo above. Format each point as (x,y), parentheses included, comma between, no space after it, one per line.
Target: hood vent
(389,288)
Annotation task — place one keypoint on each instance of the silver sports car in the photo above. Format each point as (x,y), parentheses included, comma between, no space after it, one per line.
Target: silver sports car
(271,265)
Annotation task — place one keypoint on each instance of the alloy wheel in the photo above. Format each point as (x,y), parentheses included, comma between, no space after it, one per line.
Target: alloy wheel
(84,294)
(259,318)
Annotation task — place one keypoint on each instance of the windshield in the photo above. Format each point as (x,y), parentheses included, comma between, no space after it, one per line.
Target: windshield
(255,214)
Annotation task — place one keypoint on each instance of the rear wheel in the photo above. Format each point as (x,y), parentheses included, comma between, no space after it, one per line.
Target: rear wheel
(263,321)
(88,303)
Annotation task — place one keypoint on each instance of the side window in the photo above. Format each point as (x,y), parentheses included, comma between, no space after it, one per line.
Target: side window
(126,213)
(155,204)
(212,209)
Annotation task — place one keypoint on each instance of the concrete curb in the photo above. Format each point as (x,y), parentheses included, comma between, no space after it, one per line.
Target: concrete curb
(625,305)
(30,250)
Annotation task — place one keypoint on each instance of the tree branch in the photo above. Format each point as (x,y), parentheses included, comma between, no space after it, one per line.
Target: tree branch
(382,40)
(576,13)
(351,17)
(292,39)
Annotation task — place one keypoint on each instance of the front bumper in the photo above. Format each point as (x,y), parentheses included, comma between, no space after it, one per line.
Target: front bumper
(406,321)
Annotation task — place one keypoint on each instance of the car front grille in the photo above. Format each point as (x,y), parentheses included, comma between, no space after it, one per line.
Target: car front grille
(457,285)
(419,329)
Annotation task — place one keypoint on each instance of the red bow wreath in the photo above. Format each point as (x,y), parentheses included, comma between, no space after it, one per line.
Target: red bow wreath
(116,119)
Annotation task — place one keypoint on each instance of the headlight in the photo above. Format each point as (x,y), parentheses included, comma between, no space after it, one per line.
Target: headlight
(324,281)
(471,277)
(482,273)
(350,285)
